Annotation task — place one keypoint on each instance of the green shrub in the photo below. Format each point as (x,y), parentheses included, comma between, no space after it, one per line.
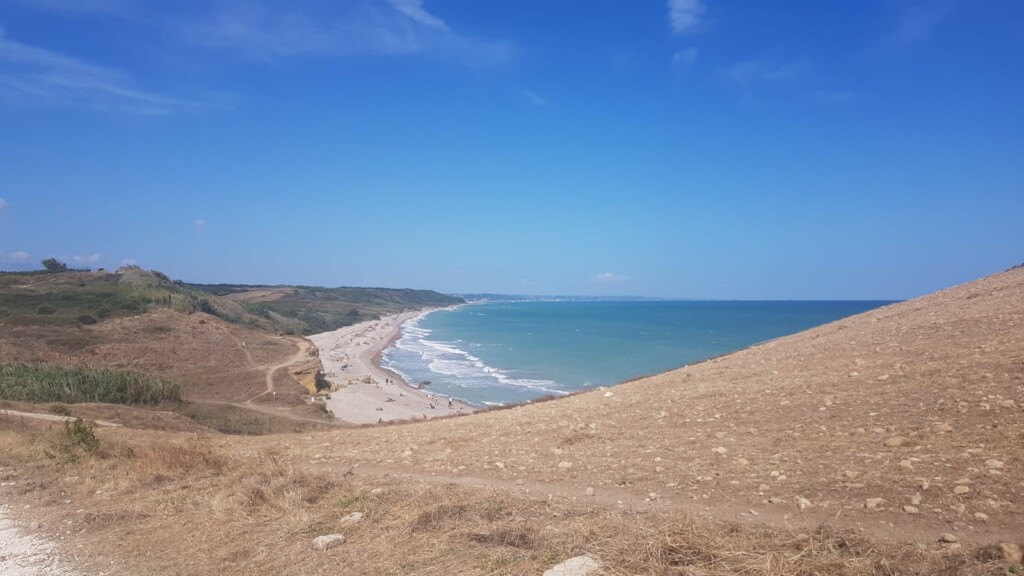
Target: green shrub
(86,319)
(102,312)
(75,442)
(60,410)
(46,310)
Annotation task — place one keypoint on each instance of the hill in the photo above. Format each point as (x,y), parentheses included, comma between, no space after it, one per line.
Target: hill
(885,443)
(317,309)
(236,361)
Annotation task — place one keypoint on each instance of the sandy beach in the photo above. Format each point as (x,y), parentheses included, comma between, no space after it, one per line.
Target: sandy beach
(367,393)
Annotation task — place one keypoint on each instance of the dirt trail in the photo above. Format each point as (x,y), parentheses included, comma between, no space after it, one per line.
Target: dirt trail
(52,418)
(303,353)
(23,554)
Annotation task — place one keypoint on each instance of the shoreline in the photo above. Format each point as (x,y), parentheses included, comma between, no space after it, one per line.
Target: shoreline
(364,392)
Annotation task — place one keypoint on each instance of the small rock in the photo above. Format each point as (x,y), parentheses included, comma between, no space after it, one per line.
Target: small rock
(981,516)
(803,503)
(577,566)
(961,490)
(993,463)
(1007,404)
(353,518)
(377,491)
(851,474)
(948,538)
(915,499)
(721,451)
(873,503)
(327,541)
(896,441)
(906,464)
(910,509)
(776,500)
(564,465)
(942,428)
(590,492)
(606,395)
(1012,553)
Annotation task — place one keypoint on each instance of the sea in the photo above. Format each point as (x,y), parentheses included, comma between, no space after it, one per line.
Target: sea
(499,353)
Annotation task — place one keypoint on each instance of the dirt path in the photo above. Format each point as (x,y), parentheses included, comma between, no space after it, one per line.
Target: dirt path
(52,417)
(23,554)
(302,353)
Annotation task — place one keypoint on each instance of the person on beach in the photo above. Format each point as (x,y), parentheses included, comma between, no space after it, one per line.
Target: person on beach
(449,402)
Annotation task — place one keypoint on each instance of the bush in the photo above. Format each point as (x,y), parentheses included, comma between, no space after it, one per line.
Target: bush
(76,441)
(45,310)
(86,319)
(54,265)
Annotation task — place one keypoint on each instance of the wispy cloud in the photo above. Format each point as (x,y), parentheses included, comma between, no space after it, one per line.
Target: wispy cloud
(3,204)
(274,29)
(684,15)
(533,97)
(33,76)
(751,72)
(15,257)
(918,21)
(608,277)
(89,259)
(685,57)
(414,9)
(199,224)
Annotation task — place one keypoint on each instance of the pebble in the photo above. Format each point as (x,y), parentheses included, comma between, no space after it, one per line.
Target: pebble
(896,441)
(803,503)
(327,541)
(961,490)
(1011,553)
(576,566)
(353,518)
(873,503)
(948,538)
(910,509)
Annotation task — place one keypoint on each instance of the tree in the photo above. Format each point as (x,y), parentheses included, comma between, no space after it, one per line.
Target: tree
(54,265)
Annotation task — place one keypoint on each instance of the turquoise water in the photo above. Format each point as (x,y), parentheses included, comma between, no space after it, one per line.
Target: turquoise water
(507,352)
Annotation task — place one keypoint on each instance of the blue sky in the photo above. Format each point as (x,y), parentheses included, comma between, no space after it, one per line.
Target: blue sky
(689,148)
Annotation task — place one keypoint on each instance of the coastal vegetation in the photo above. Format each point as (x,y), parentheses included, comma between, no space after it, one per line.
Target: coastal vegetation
(59,297)
(317,309)
(39,383)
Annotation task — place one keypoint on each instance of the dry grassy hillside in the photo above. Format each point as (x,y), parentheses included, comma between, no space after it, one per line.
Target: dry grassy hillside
(848,449)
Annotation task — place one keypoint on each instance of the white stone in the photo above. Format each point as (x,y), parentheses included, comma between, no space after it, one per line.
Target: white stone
(577,566)
(327,541)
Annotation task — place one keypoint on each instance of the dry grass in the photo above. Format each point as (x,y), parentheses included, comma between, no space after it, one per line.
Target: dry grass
(155,504)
